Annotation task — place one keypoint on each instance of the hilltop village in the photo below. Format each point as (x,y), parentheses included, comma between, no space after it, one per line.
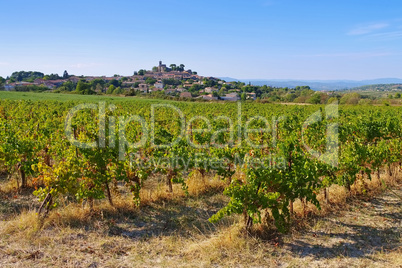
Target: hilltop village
(170,82)
(173,81)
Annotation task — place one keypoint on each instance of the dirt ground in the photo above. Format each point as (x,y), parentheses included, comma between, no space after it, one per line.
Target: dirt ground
(176,233)
(368,234)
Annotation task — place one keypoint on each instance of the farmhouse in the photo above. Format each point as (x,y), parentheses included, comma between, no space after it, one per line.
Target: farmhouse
(185,95)
(231,97)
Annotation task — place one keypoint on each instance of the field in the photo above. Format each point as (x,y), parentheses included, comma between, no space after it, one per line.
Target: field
(121,182)
(33,96)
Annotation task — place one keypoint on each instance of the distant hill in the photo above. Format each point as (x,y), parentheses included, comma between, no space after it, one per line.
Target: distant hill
(317,84)
(379,87)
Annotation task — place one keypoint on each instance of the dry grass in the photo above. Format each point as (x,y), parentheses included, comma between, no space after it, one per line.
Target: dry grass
(8,184)
(25,224)
(339,197)
(199,185)
(171,229)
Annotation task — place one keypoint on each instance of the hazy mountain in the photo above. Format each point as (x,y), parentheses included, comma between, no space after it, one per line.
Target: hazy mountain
(316,84)
(378,87)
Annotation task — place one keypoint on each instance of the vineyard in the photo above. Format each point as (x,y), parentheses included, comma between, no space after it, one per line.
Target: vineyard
(269,156)
(101,162)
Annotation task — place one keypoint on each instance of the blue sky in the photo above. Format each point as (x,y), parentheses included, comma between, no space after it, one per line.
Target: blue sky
(267,39)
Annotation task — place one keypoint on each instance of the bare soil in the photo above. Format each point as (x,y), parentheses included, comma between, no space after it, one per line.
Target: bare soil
(176,233)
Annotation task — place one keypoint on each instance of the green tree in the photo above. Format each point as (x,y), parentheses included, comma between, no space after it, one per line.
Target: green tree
(305,91)
(222,91)
(118,91)
(350,98)
(332,99)
(84,88)
(67,86)
(365,102)
(315,99)
(243,96)
(65,75)
(2,82)
(115,83)
(171,81)
(208,82)
(81,87)
(99,88)
(141,72)
(94,83)
(110,89)
(195,87)
(26,76)
(398,95)
(290,97)
(150,81)
(51,77)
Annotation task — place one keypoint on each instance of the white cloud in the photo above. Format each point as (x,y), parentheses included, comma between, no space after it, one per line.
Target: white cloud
(366,29)
(386,36)
(379,31)
(4,63)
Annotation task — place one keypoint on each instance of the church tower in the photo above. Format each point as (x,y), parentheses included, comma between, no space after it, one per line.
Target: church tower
(161,67)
